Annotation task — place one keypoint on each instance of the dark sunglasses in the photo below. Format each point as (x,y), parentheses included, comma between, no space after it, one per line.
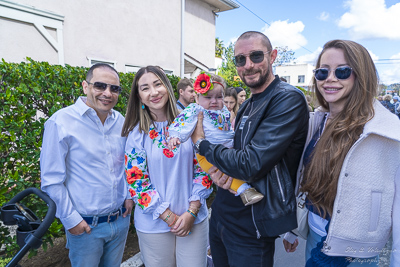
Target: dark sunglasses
(101,87)
(342,73)
(255,57)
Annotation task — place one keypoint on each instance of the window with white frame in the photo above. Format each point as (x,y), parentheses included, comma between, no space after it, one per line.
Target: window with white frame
(93,61)
(287,78)
(170,72)
(301,79)
(133,68)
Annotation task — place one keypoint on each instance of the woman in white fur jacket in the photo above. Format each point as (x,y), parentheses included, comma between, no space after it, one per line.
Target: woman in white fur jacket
(350,165)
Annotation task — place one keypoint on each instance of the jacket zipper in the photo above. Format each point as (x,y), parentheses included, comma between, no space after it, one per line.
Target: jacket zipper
(279,183)
(254,222)
(243,142)
(248,127)
(247,133)
(252,211)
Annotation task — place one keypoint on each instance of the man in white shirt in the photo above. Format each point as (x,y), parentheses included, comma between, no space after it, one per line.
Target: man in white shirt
(82,170)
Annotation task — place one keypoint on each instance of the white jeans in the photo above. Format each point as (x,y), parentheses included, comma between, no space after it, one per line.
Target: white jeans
(169,250)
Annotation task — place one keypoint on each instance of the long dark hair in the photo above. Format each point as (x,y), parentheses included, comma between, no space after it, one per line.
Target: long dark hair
(322,173)
(231,91)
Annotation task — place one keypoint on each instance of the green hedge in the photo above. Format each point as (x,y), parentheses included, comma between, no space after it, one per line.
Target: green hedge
(29,94)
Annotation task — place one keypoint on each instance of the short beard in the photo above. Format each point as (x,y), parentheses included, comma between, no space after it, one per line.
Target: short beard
(261,81)
(186,101)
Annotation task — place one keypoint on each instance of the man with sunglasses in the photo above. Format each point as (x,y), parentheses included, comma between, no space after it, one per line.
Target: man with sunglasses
(82,170)
(270,132)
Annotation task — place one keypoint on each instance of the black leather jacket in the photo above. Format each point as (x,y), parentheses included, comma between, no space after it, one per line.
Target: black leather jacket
(267,150)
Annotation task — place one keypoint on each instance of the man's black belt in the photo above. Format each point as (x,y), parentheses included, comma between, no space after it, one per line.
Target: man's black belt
(113,216)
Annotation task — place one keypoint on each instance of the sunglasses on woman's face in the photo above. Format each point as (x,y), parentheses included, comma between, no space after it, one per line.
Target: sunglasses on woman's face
(255,57)
(342,73)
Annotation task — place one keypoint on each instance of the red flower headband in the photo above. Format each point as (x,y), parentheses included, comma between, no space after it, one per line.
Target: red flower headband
(204,83)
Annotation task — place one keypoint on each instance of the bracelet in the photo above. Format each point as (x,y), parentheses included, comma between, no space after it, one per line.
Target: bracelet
(195,211)
(175,219)
(192,213)
(166,218)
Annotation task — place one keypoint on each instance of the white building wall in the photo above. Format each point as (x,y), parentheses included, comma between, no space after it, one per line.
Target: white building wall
(127,33)
(200,32)
(294,71)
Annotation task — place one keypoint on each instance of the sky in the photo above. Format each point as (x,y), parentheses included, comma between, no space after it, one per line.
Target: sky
(305,26)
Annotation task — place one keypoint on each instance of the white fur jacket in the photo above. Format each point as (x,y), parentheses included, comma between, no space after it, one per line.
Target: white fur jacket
(367,206)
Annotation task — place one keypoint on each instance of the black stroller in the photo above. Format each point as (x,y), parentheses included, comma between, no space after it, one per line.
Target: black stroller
(30,229)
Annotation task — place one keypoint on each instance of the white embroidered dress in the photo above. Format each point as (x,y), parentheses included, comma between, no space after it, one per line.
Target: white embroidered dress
(160,178)
(216,125)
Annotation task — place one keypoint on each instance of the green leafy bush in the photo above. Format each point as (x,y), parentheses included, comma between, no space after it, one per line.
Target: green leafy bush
(4,261)
(29,94)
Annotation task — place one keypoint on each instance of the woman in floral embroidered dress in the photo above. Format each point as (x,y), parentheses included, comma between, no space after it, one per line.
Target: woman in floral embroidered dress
(168,186)
(217,126)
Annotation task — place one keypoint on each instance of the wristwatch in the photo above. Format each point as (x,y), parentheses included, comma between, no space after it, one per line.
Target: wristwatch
(197,145)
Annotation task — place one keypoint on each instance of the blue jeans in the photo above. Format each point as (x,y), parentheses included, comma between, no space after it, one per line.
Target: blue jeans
(313,238)
(104,246)
(230,249)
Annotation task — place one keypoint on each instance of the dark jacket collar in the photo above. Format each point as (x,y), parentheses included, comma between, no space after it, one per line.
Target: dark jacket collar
(267,90)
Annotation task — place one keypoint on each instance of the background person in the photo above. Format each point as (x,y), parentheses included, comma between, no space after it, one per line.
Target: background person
(396,104)
(241,93)
(387,104)
(168,187)
(231,102)
(353,199)
(270,132)
(82,170)
(186,93)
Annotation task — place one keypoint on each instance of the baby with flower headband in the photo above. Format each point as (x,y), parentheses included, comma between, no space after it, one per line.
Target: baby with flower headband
(216,123)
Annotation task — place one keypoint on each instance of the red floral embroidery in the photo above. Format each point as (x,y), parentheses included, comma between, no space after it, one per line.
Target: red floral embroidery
(153,134)
(168,153)
(133,174)
(206,182)
(133,193)
(144,199)
(126,159)
(194,161)
(202,83)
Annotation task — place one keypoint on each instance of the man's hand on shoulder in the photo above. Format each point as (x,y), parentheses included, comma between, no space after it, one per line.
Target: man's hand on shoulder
(128,206)
(80,228)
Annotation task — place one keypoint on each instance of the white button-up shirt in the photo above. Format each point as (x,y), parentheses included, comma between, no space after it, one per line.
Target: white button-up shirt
(82,163)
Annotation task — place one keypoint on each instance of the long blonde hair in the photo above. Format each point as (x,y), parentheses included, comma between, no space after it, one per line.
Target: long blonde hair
(135,114)
(322,173)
